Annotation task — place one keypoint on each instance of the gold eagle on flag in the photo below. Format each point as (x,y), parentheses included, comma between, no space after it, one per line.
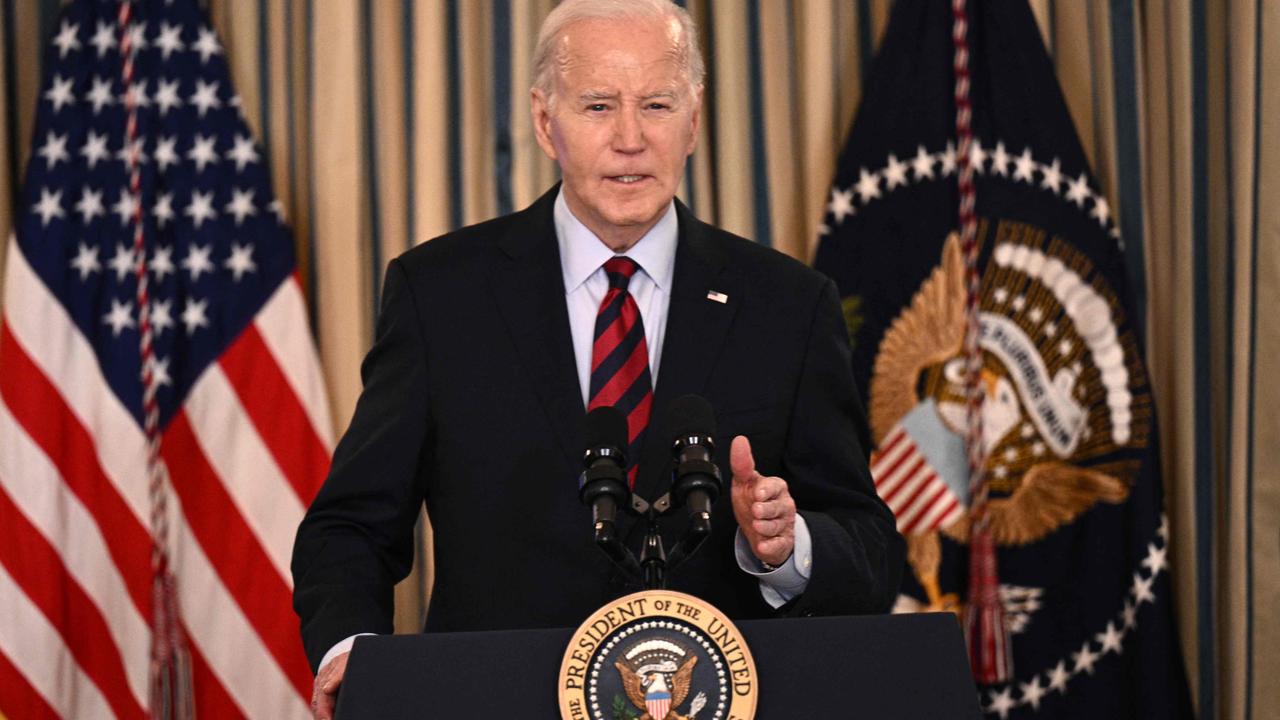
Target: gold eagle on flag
(1057,395)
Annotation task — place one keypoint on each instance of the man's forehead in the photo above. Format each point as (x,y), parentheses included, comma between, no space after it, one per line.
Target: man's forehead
(619,44)
(624,29)
(616,74)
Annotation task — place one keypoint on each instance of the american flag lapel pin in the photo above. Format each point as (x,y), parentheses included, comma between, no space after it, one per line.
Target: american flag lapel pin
(719,297)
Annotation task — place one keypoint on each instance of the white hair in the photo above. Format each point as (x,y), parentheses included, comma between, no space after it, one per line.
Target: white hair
(572,11)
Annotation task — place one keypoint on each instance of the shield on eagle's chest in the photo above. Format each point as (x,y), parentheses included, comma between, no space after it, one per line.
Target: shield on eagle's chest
(658,703)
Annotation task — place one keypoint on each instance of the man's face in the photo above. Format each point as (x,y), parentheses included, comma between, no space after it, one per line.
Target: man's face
(623,122)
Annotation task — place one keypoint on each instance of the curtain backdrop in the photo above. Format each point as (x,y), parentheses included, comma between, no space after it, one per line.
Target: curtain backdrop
(388,122)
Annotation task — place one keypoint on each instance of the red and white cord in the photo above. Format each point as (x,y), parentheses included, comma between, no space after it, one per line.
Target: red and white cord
(989,651)
(170,671)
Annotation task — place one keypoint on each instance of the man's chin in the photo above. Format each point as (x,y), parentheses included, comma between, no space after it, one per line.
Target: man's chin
(631,220)
(637,209)
(621,212)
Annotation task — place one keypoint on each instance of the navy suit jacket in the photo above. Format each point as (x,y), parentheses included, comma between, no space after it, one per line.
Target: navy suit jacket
(471,404)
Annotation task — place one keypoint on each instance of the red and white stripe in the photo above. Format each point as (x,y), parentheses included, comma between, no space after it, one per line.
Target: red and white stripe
(243,458)
(658,709)
(920,500)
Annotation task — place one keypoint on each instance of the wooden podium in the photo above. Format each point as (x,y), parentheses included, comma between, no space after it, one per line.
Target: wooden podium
(880,666)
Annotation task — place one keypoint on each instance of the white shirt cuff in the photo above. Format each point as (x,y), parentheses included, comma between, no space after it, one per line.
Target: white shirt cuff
(342,646)
(789,580)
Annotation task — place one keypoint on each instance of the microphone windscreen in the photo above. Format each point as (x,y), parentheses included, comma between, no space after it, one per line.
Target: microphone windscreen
(692,415)
(606,427)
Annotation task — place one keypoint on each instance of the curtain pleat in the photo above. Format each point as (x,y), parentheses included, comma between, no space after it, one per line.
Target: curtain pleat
(27,51)
(1256,490)
(430,127)
(343,299)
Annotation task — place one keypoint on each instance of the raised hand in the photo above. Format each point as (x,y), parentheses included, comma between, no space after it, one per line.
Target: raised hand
(763,507)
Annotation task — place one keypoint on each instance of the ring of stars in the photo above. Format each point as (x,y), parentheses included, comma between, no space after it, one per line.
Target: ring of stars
(693,634)
(873,185)
(1108,641)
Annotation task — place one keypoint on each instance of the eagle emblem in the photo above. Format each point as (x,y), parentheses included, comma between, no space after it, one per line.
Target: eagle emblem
(656,675)
(1060,417)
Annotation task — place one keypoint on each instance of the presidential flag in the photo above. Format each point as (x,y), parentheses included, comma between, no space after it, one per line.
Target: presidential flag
(145,191)
(1068,436)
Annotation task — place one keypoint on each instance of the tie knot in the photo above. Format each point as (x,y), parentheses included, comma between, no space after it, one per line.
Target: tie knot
(620,269)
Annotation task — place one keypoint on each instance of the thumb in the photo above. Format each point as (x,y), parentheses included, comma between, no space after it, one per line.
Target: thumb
(741,461)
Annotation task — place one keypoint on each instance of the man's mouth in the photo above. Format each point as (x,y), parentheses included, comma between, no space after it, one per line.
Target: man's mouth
(627,179)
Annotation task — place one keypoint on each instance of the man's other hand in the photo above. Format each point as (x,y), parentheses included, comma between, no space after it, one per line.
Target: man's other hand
(324,696)
(763,507)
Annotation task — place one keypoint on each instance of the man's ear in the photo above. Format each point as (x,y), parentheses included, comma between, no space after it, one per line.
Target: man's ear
(695,121)
(540,112)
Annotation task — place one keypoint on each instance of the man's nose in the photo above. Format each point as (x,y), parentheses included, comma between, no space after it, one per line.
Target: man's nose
(628,132)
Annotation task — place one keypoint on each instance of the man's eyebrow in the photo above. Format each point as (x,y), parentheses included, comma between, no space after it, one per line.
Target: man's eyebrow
(597,95)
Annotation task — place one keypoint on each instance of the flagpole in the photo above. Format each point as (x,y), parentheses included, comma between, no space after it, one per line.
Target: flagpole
(990,655)
(170,666)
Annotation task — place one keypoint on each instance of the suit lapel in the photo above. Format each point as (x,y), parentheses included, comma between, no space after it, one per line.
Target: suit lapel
(528,283)
(696,329)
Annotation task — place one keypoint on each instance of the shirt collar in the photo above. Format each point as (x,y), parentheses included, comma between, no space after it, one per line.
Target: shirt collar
(582,253)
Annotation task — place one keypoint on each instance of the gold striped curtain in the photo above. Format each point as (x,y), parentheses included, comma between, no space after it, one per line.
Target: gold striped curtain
(388,122)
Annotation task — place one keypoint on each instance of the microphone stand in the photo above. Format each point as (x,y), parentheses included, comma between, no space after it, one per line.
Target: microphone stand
(654,564)
(653,558)
(654,561)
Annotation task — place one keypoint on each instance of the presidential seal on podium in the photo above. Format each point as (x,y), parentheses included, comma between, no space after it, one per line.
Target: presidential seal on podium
(658,655)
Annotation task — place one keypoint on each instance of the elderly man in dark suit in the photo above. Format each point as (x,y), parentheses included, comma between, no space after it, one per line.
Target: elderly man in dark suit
(494,340)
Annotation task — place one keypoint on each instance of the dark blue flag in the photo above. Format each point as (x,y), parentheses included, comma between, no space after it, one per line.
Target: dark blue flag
(1069,429)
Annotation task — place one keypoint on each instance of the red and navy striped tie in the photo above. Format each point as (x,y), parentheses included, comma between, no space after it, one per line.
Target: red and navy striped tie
(620,358)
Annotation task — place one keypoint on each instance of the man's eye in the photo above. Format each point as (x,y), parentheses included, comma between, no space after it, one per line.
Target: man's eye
(597,107)
(659,106)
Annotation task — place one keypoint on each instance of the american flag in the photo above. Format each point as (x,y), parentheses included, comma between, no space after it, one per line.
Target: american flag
(920,500)
(244,434)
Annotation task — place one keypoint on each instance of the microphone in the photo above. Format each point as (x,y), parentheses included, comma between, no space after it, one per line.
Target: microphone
(696,480)
(603,482)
